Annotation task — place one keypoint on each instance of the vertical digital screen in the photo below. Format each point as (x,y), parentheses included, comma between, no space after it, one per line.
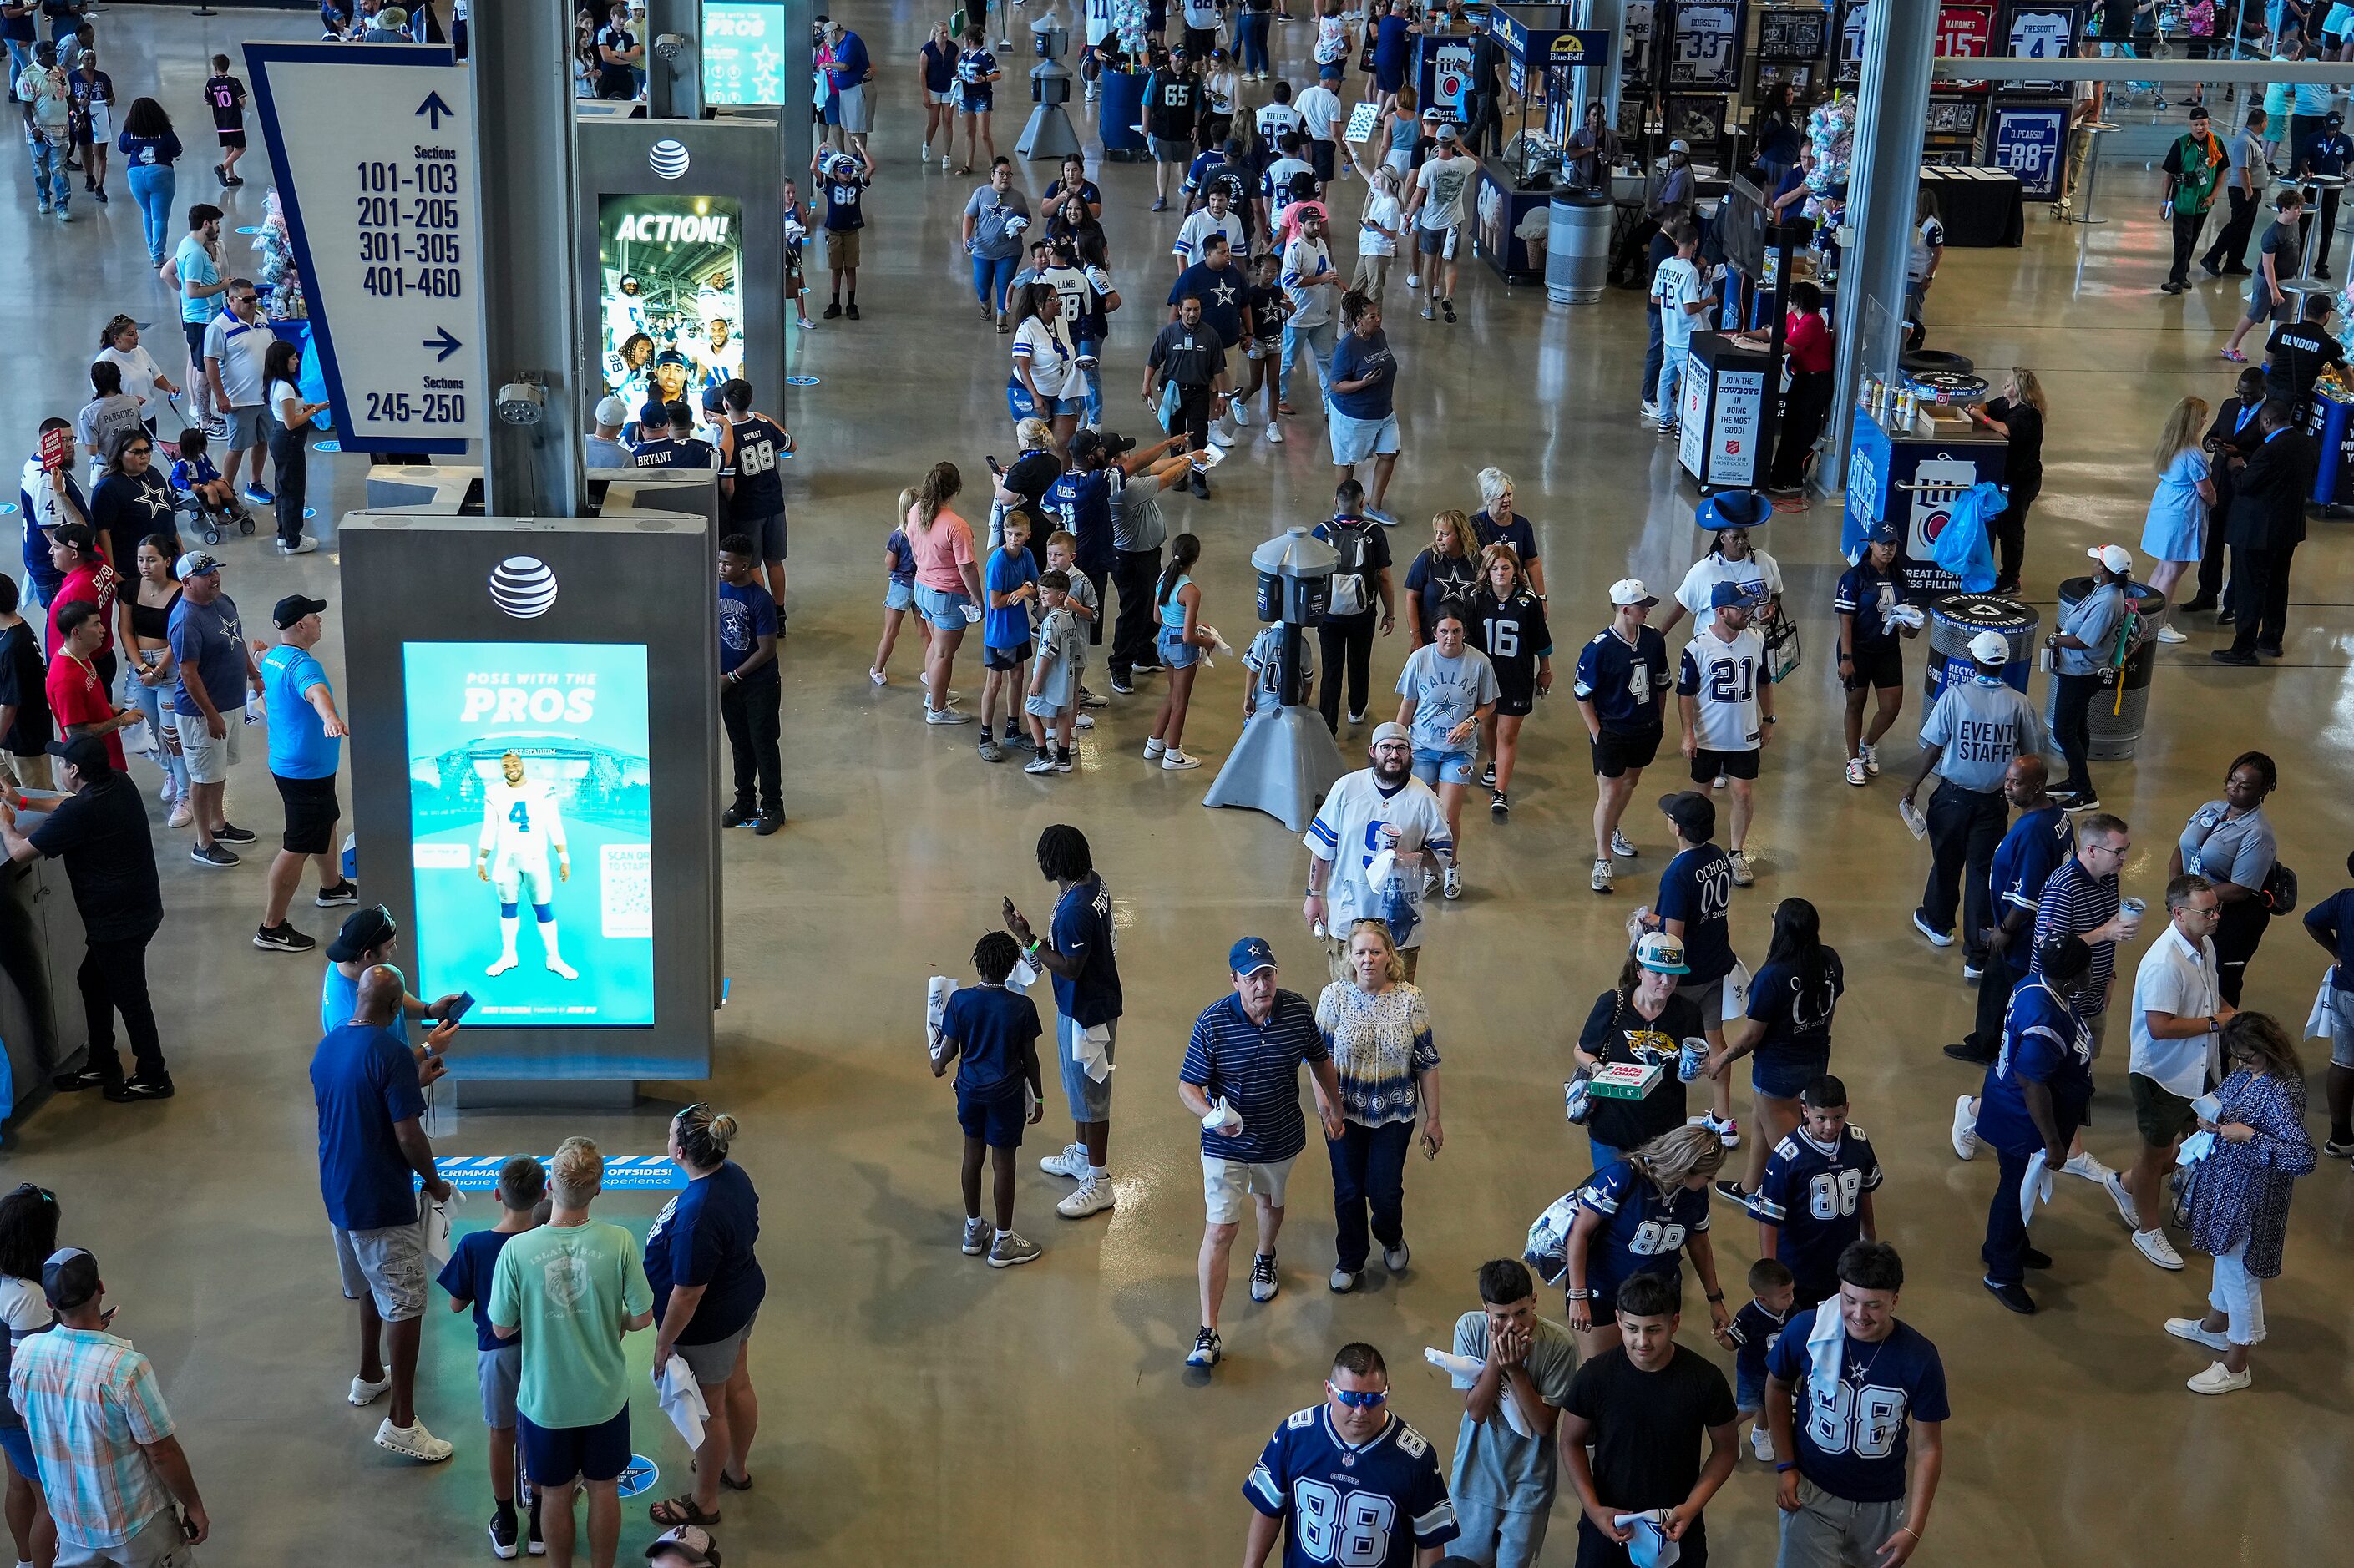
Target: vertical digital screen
(671,271)
(744,51)
(529,815)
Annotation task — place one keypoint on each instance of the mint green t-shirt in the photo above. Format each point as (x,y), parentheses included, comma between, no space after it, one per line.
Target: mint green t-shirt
(570,1288)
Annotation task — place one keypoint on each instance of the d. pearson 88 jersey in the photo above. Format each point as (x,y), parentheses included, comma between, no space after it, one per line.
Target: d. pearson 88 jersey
(1358,1506)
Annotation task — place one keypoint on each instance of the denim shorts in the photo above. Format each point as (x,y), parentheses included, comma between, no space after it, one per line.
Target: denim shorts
(1782,1077)
(943,610)
(16,1442)
(1748,1390)
(1090,1100)
(1175,652)
(1442,767)
(1354,441)
(2341,1028)
(900,595)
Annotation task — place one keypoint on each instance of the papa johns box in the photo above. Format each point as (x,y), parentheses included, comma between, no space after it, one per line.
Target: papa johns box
(1626,1080)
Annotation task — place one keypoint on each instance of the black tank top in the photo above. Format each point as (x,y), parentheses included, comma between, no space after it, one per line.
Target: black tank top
(154,620)
(758,491)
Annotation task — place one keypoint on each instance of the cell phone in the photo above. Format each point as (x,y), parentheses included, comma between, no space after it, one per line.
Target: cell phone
(459,1007)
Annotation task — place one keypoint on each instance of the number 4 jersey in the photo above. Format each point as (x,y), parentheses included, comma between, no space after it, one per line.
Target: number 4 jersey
(1852,1436)
(1363,1505)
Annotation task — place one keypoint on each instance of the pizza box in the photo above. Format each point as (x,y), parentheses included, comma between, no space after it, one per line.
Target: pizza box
(1626,1080)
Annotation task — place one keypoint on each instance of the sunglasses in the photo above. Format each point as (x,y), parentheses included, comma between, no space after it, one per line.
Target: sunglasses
(1354,1399)
(138,451)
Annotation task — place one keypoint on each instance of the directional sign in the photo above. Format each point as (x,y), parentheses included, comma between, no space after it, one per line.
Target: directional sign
(384,221)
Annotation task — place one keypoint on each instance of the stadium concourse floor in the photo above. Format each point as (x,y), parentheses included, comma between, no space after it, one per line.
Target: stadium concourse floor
(918,1407)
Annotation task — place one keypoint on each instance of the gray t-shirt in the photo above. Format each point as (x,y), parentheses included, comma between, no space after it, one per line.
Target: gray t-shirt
(2238,849)
(1445,692)
(2094,622)
(103,419)
(991,211)
(2247,151)
(1059,637)
(1493,1464)
(1982,726)
(1137,525)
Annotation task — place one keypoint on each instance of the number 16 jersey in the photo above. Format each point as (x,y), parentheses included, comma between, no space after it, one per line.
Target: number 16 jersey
(1360,1505)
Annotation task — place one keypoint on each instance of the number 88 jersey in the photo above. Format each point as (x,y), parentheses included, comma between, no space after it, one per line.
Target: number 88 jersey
(1360,1505)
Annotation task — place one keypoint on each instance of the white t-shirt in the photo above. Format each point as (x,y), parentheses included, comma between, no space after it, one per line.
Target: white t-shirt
(23,1308)
(139,372)
(1929,237)
(1347,831)
(1382,212)
(1759,577)
(1724,677)
(1204,15)
(1219,88)
(2174,978)
(283,392)
(1053,362)
(1302,260)
(1674,286)
(1445,183)
(1320,109)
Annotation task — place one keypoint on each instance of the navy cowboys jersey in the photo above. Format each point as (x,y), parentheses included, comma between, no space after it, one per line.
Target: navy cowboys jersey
(1368,1506)
(1815,1196)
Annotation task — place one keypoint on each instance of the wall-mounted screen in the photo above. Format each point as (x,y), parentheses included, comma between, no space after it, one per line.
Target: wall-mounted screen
(744,51)
(671,271)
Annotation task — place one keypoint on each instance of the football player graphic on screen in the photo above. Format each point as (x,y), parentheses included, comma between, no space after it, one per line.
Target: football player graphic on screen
(520,823)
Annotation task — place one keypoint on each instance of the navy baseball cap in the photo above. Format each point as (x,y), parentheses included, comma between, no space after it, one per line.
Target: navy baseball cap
(70,1277)
(1881,534)
(2063,957)
(1249,956)
(1725,594)
(1693,813)
(673,356)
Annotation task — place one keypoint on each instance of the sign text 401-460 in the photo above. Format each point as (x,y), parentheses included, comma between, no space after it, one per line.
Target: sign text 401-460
(425,407)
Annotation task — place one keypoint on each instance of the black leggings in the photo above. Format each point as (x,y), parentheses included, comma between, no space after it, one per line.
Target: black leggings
(1344,639)
(2010,528)
(290,451)
(2236,936)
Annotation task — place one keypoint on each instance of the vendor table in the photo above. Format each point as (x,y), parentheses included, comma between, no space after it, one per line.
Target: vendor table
(1911,476)
(2330,421)
(1980,206)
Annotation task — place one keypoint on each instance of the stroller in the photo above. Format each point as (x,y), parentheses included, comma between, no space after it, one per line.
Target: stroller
(192,475)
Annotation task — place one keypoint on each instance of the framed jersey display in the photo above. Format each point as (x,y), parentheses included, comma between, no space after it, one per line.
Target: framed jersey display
(1705,49)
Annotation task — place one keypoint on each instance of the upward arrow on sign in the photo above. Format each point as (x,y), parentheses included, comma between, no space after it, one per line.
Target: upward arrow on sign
(434,106)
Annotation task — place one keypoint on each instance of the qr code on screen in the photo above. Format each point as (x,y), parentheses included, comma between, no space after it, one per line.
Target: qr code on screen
(626,891)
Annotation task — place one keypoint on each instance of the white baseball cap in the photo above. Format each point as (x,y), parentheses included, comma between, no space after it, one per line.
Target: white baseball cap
(612,410)
(1630,590)
(2114,557)
(1990,648)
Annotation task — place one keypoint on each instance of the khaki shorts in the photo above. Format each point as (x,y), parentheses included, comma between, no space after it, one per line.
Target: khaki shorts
(158,1543)
(1226,1184)
(209,761)
(1336,959)
(387,1264)
(841,249)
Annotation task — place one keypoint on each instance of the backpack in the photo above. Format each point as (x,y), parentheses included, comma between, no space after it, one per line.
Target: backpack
(2279,891)
(1348,578)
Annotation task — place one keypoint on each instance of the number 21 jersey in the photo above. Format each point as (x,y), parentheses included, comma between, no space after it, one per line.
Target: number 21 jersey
(1723,676)
(1363,1507)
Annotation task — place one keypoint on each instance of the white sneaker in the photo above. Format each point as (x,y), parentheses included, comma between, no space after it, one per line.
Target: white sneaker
(1083,720)
(301,546)
(2154,1246)
(1651,411)
(1395,1259)
(2219,1379)
(1093,1197)
(1728,1132)
(414,1442)
(181,815)
(1274,433)
(1072,1162)
(1241,415)
(875,675)
(1742,875)
(1413,280)
(1618,846)
(1220,435)
(1870,757)
(1601,882)
(946,715)
(2129,1213)
(1454,886)
(1154,750)
(1937,939)
(364,1393)
(2198,1333)
(2082,1164)
(1178,762)
(1761,1444)
(1264,1282)
(1855,772)
(1966,1128)
(2167,634)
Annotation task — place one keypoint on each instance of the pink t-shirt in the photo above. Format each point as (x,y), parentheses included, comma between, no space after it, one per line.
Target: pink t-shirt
(941,551)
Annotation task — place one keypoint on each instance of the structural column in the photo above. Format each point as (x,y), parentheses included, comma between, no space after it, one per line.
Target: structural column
(675,84)
(521,56)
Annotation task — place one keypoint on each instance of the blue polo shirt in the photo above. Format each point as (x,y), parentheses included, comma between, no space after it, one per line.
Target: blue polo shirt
(1255,1068)
(362,1081)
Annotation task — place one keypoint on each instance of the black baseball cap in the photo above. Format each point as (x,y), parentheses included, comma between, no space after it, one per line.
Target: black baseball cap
(1693,813)
(70,1277)
(361,930)
(293,608)
(86,754)
(2063,957)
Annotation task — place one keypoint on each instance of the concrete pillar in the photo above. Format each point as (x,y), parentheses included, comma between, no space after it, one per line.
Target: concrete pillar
(1891,114)
(674,86)
(521,56)
(1601,82)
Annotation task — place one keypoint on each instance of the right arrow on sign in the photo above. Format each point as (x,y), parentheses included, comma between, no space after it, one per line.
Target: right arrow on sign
(444,341)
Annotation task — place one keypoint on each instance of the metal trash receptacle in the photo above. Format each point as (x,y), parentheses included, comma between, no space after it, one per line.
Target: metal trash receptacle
(2116,717)
(1955,619)
(1577,247)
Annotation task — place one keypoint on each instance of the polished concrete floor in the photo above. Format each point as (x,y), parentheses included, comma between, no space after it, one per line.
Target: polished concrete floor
(918,1407)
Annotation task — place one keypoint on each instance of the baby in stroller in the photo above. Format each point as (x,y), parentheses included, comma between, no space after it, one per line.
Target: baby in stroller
(200,495)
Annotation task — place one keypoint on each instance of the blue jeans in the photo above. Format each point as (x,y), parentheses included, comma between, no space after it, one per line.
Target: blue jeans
(152,187)
(1603,1153)
(1672,380)
(1319,342)
(1250,35)
(151,703)
(49,185)
(1368,1169)
(990,279)
(1654,352)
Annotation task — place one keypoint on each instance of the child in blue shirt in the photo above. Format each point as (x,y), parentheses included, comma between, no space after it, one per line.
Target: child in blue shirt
(1750,1337)
(1009,584)
(991,1033)
(193,475)
(900,595)
(498,1364)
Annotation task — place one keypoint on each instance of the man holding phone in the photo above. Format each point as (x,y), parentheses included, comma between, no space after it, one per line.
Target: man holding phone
(368,1085)
(369,938)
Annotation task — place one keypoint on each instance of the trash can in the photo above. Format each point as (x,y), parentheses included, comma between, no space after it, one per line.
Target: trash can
(1957,618)
(1122,111)
(1577,247)
(2122,705)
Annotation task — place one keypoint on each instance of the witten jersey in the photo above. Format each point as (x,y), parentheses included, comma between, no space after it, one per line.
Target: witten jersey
(1369,1507)
(1723,678)
(519,822)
